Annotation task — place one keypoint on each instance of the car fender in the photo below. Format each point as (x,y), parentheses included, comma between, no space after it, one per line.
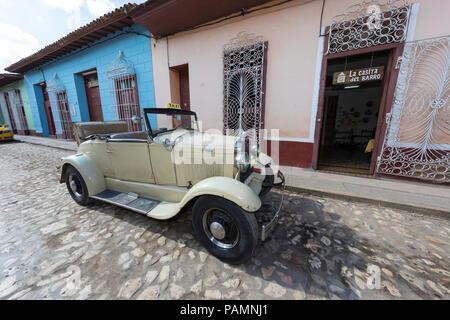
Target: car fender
(227,188)
(93,177)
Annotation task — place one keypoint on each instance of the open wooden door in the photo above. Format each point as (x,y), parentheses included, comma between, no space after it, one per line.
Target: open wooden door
(93,97)
(48,111)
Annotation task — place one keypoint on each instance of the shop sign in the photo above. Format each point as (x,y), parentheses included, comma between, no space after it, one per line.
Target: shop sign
(358,75)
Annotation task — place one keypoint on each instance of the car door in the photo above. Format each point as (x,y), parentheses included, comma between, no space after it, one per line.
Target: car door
(163,166)
(130,160)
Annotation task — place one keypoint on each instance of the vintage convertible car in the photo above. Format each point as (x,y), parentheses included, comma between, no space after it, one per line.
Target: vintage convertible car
(160,172)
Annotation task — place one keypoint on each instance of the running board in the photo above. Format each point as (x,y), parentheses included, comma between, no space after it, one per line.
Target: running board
(130,201)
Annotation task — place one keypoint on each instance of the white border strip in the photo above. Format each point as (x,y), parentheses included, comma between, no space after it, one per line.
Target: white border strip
(401,81)
(315,101)
(287,139)
(412,22)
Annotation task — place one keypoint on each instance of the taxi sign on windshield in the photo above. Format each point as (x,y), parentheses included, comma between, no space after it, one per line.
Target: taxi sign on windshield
(173,106)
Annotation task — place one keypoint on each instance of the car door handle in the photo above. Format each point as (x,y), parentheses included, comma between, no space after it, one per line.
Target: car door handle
(109,151)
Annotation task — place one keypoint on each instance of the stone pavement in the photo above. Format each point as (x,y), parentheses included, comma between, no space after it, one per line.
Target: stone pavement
(425,198)
(323,248)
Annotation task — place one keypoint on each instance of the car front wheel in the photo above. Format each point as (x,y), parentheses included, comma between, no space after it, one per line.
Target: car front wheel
(76,186)
(226,231)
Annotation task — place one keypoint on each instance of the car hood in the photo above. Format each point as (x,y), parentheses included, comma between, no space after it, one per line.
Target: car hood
(201,140)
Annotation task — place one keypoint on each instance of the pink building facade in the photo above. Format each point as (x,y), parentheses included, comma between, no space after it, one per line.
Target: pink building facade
(351,86)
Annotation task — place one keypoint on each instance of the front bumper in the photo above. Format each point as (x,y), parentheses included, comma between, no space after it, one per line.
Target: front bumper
(268,227)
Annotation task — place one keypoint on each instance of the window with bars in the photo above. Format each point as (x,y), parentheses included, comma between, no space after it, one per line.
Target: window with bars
(127,100)
(124,92)
(244,63)
(369,23)
(16,101)
(417,141)
(58,101)
(64,114)
(10,113)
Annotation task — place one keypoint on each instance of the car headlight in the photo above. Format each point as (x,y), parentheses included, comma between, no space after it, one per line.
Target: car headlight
(241,156)
(254,151)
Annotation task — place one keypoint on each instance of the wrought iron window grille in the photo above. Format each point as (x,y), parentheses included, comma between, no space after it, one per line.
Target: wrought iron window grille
(369,23)
(417,141)
(16,101)
(59,102)
(243,60)
(124,92)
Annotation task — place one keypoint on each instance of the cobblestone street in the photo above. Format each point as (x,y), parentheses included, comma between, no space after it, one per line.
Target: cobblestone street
(51,248)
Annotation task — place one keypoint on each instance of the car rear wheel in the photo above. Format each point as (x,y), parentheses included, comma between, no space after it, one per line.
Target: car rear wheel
(226,231)
(76,186)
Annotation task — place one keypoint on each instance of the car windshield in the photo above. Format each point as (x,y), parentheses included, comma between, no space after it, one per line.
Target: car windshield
(170,121)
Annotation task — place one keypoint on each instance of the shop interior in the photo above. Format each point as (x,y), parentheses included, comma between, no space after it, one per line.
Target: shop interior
(351,111)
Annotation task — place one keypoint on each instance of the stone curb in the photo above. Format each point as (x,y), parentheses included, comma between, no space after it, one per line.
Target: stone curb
(46,145)
(390,204)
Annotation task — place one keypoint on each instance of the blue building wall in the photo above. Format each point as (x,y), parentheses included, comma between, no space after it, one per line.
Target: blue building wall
(2,120)
(99,55)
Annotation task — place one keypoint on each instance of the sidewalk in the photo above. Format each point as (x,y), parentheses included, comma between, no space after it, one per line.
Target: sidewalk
(68,145)
(414,196)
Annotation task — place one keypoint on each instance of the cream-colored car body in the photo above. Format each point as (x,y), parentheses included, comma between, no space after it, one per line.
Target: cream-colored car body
(145,167)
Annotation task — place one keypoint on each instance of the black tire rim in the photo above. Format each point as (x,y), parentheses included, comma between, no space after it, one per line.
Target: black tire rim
(221,228)
(75,186)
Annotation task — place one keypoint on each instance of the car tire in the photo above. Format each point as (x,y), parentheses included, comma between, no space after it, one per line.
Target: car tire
(76,186)
(224,244)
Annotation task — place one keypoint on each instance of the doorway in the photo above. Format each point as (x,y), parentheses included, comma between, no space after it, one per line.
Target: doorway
(48,111)
(179,85)
(15,99)
(10,113)
(93,96)
(353,96)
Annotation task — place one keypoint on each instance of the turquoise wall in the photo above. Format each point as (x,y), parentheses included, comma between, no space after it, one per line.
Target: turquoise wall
(20,85)
(99,55)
